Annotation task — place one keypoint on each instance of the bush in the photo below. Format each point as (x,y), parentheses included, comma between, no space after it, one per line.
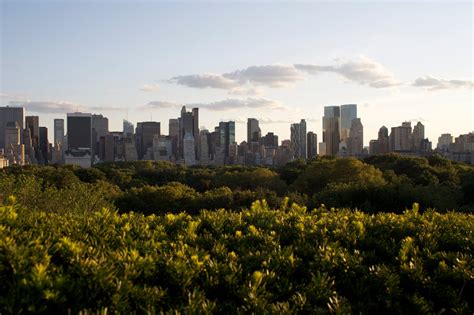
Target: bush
(261,260)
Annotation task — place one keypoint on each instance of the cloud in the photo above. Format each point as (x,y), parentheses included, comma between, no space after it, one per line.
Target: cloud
(206,80)
(162,104)
(254,91)
(267,75)
(362,70)
(433,84)
(150,87)
(249,103)
(223,105)
(52,107)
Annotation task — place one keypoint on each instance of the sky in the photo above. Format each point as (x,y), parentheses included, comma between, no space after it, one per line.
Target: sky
(278,62)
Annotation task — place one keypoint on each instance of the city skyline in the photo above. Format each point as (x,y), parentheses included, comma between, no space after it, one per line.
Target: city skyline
(144,61)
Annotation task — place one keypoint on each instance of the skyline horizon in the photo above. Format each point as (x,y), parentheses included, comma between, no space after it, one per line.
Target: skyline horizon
(145,60)
(243,122)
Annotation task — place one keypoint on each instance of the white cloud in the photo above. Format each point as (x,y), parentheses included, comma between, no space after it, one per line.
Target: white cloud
(52,107)
(433,84)
(362,70)
(223,105)
(150,87)
(267,75)
(206,80)
(249,103)
(162,104)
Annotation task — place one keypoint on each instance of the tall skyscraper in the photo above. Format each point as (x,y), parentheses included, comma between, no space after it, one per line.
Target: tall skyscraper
(145,133)
(418,136)
(348,113)
(312,145)
(355,141)
(188,122)
(331,130)
(189,149)
(79,131)
(58,132)
(10,114)
(253,130)
(100,128)
(226,135)
(298,140)
(44,145)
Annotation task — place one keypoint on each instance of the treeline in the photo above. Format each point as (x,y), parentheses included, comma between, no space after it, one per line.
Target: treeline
(379,183)
(258,261)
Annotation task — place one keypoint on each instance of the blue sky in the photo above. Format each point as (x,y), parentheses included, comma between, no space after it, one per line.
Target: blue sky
(278,62)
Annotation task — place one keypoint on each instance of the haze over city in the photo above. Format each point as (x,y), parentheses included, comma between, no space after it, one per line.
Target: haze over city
(276,62)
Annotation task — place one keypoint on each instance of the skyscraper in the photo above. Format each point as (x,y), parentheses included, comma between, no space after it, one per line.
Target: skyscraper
(189,149)
(444,142)
(253,130)
(100,128)
(400,138)
(58,132)
(10,114)
(44,145)
(418,136)
(348,113)
(298,140)
(145,133)
(355,141)
(79,131)
(128,128)
(331,131)
(312,145)
(187,122)
(226,135)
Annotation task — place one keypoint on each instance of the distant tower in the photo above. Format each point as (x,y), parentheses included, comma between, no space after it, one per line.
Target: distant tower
(298,139)
(355,141)
(348,114)
(253,130)
(400,138)
(189,149)
(312,145)
(418,136)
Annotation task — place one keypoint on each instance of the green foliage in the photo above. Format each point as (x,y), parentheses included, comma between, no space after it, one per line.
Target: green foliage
(259,260)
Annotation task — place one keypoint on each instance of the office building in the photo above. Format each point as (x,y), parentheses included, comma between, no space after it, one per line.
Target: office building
(355,141)
(79,131)
(145,132)
(58,132)
(226,135)
(444,142)
(43,145)
(312,142)
(418,136)
(298,140)
(253,130)
(128,128)
(348,114)
(400,138)
(11,114)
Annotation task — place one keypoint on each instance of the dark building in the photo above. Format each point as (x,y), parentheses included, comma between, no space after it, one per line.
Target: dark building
(43,145)
(312,145)
(79,131)
(32,124)
(270,140)
(226,135)
(144,136)
(106,148)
